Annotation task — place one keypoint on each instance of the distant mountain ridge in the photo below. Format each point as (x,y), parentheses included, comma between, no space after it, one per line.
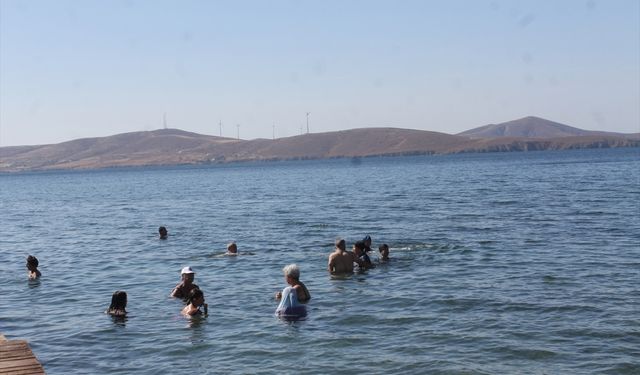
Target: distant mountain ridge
(174,146)
(530,127)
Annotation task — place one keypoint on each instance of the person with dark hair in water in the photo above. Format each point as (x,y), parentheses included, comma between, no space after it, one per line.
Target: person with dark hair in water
(118,304)
(367,243)
(195,300)
(360,250)
(163,233)
(232,248)
(32,266)
(384,252)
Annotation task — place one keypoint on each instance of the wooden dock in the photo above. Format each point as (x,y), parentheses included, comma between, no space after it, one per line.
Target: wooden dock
(16,358)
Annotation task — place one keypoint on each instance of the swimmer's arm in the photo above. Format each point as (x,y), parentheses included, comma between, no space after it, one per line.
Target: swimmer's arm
(177,291)
(331,264)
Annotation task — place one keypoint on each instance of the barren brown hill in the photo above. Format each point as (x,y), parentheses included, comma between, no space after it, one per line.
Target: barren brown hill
(173,147)
(128,149)
(348,143)
(531,127)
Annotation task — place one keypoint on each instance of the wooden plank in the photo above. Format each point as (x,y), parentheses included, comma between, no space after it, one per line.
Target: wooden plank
(16,358)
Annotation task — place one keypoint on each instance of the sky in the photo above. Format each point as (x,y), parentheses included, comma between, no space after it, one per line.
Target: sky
(87,68)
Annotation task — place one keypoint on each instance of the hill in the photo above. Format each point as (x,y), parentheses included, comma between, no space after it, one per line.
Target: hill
(531,127)
(174,146)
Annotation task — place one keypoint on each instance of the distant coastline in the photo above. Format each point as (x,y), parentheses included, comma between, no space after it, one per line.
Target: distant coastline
(172,147)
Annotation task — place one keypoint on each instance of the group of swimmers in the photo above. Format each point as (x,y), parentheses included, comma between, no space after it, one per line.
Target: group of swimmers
(292,298)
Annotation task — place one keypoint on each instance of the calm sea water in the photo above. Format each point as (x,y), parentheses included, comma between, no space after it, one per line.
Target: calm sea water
(501,263)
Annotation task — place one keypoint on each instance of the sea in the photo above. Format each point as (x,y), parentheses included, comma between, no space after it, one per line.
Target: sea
(501,263)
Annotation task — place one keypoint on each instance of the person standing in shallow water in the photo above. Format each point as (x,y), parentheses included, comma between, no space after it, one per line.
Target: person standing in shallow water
(162,231)
(341,261)
(360,250)
(292,277)
(195,300)
(186,284)
(118,304)
(32,266)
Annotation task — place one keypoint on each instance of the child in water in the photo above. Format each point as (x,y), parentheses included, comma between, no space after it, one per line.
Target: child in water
(194,302)
(32,266)
(384,252)
(118,304)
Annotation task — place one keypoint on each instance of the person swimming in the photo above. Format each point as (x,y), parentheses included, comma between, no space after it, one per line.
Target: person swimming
(384,252)
(118,304)
(32,266)
(232,249)
(186,284)
(162,231)
(195,300)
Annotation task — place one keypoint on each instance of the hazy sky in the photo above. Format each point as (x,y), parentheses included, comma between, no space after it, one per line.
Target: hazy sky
(74,69)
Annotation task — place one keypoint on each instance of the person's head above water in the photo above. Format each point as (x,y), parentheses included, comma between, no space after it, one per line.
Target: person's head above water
(292,271)
(367,241)
(118,300)
(384,251)
(163,233)
(359,247)
(341,244)
(232,248)
(32,263)
(187,274)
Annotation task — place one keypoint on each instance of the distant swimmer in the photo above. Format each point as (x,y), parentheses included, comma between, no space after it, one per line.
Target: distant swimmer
(32,266)
(163,233)
(195,300)
(118,304)
(384,252)
(292,277)
(186,284)
(341,261)
(232,248)
(360,250)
